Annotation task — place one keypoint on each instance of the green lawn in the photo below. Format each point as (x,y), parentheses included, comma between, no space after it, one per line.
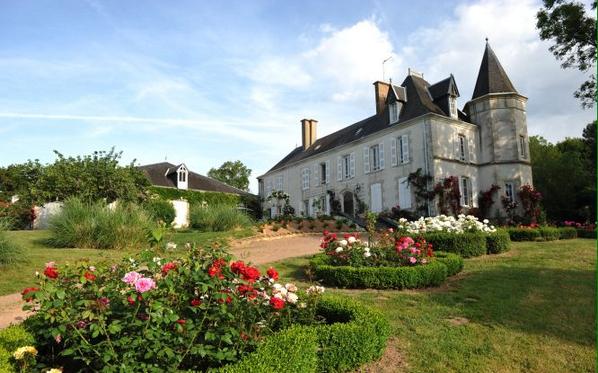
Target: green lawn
(531,309)
(15,277)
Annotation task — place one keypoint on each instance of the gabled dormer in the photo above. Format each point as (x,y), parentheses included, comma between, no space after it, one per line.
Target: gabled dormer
(396,99)
(445,94)
(180,176)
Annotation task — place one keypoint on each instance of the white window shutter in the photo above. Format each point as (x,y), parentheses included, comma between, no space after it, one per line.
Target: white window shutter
(457,151)
(405,148)
(462,199)
(393,151)
(327,172)
(473,187)
(404,193)
(352,164)
(316,176)
(339,169)
(366,160)
(471,150)
(307,177)
(381,155)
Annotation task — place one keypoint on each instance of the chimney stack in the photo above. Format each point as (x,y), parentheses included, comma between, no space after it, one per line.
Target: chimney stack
(381,90)
(308,132)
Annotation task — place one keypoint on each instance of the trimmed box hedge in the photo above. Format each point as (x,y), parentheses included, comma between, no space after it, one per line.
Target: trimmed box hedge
(355,334)
(11,338)
(498,242)
(524,234)
(464,244)
(567,233)
(453,262)
(584,233)
(550,233)
(431,274)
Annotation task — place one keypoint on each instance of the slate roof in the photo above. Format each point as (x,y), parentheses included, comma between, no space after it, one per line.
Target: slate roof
(164,175)
(492,78)
(419,102)
(444,87)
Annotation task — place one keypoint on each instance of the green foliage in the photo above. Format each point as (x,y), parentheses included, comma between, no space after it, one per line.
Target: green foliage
(524,234)
(17,215)
(432,274)
(498,242)
(467,244)
(567,233)
(160,210)
(20,179)
(573,32)
(218,218)
(94,225)
(235,174)
(11,338)
(584,233)
(550,233)
(453,262)
(9,251)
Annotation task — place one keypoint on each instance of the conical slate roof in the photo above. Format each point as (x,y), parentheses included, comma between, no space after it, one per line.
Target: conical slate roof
(492,78)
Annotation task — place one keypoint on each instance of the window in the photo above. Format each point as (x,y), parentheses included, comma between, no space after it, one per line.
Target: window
(509,192)
(306,208)
(453,106)
(346,166)
(182,176)
(465,191)
(522,148)
(404,149)
(323,173)
(305,179)
(279,182)
(394,112)
(375,157)
(462,146)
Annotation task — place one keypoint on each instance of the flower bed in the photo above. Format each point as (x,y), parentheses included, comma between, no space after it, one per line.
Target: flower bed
(447,224)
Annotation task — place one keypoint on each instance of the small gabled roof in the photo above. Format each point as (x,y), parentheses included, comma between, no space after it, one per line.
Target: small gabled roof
(492,78)
(444,87)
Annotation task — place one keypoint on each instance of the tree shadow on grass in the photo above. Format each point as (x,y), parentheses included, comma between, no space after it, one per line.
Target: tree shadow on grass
(544,301)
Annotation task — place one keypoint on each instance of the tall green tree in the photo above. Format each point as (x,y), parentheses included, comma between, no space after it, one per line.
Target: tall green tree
(573,32)
(235,174)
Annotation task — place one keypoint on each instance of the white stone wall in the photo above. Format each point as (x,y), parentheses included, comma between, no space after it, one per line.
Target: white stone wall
(181,208)
(44,213)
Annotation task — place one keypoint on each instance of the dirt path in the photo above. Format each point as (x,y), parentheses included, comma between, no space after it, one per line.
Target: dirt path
(255,251)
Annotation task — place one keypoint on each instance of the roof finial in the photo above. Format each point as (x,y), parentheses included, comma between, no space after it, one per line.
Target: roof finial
(486,40)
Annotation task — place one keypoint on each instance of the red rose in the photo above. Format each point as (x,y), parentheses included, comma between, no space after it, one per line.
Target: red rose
(326,233)
(168,267)
(131,300)
(181,321)
(215,271)
(247,291)
(277,303)
(195,302)
(51,272)
(271,272)
(26,293)
(89,276)
(250,274)
(237,267)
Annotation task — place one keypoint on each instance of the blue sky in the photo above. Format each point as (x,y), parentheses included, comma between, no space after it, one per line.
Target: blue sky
(205,82)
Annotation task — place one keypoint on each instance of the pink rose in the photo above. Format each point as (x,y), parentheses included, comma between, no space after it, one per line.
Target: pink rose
(131,277)
(144,284)
(412,260)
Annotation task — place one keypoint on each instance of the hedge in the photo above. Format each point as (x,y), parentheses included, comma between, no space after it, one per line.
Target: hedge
(567,233)
(498,242)
(432,274)
(354,335)
(524,234)
(11,338)
(584,233)
(550,233)
(453,262)
(161,210)
(464,244)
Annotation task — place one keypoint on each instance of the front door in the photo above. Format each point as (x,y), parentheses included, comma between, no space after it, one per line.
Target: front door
(348,203)
(376,197)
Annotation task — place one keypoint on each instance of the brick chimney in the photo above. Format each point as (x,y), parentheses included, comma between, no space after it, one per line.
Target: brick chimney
(308,132)
(381,91)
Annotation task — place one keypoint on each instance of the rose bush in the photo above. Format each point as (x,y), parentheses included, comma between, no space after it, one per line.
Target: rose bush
(150,314)
(443,223)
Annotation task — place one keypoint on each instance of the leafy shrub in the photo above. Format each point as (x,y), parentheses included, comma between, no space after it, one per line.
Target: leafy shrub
(498,242)
(195,312)
(464,244)
(586,233)
(550,233)
(453,262)
(17,215)
(161,210)
(96,226)
(218,218)
(567,233)
(524,234)
(11,338)
(9,251)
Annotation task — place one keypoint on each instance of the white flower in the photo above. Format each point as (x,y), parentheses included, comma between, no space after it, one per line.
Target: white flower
(292,298)
(291,287)
(343,242)
(171,246)
(302,305)
(279,296)
(339,250)
(351,239)
(367,254)
(315,290)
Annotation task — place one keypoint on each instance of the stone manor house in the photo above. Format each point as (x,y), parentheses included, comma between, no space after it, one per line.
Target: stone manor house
(417,125)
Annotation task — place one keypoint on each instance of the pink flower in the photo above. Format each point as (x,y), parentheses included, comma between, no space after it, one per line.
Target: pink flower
(131,277)
(144,284)
(412,260)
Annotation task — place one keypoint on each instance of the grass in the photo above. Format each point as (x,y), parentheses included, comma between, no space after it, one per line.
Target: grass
(35,253)
(531,309)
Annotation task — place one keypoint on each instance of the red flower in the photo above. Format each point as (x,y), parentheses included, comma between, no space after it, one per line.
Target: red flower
(89,276)
(51,272)
(168,267)
(271,272)
(195,302)
(326,233)
(237,267)
(181,321)
(244,336)
(250,274)
(277,303)
(131,300)
(247,291)
(26,294)
(215,271)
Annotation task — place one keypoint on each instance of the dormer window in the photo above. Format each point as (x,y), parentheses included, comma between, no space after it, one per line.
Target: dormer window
(182,177)
(394,111)
(453,107)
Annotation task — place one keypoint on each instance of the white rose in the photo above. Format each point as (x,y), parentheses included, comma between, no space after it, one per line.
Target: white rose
(367,254)
(339,250)
(352,239)
(292,298)
(291,287)
(279,296)
(343,242)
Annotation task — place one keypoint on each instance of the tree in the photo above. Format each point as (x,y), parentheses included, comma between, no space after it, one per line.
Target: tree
(574,35)
(235,174)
